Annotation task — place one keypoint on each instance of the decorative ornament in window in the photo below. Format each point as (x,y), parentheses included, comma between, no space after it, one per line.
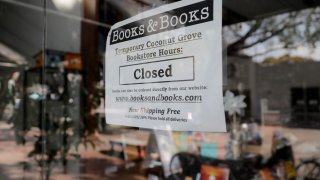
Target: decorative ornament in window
(233,104)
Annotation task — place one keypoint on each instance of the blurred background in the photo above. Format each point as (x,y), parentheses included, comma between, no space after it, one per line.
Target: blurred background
(52,118)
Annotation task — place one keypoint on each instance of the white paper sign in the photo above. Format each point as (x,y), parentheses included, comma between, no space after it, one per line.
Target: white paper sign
(164,68)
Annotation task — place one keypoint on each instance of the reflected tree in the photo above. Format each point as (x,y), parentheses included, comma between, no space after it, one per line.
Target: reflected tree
(281,32)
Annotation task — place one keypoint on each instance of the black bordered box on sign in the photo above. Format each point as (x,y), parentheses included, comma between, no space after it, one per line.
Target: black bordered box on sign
(175,59)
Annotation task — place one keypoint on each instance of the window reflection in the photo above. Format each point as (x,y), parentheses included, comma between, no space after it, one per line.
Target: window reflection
(52,101)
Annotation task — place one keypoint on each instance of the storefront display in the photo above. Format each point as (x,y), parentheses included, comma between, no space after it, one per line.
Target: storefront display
(159,89)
